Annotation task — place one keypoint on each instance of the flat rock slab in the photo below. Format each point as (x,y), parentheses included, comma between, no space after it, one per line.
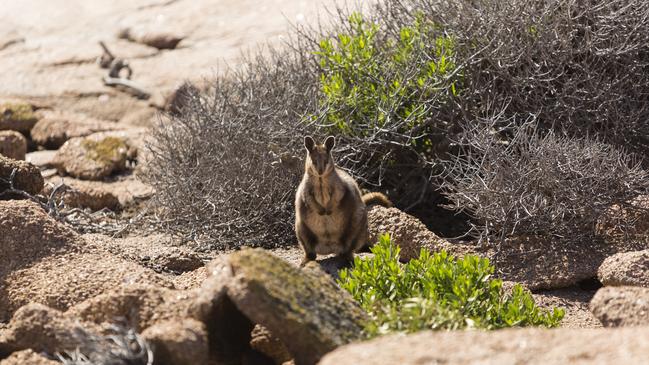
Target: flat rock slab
(621,306)
(503,347)
(628,268)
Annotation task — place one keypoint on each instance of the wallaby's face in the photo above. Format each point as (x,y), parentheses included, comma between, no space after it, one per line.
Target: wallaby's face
(319,161)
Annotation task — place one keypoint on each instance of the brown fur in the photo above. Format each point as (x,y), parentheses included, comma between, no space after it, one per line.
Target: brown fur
(330,214)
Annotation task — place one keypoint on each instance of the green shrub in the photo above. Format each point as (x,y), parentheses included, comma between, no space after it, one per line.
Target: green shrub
(437,291)
(371,82)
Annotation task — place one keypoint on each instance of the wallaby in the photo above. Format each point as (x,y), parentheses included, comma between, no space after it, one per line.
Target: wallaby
(330,213)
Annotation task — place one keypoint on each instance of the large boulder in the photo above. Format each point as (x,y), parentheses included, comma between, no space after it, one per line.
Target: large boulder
(75,193)
(54,128)
(27,177)
(159,252)
(178,342)
(302,308)
(28,234)
(625,269)
(509,346)
(17,116)
(45,330)
(621,306)
(139,305)
(94,157)
(63,280)
(13,145)
(408,232)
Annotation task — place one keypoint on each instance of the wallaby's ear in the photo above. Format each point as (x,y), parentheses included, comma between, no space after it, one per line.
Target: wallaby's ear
(329,143)
(309,143)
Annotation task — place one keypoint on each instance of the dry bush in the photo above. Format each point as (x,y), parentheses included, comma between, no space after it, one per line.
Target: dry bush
(517,180)
(225,168)
(582,67)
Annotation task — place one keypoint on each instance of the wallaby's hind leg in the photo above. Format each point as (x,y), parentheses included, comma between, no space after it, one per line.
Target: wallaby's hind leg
(308,241)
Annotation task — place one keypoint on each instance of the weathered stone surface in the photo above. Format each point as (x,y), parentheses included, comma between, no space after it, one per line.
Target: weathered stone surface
(54,128)
(304,309)
(509,346)
(61,281)
(25,357)
(628,220)
(27,234)
(178,342)
(17,116)
(574,301)
(628,268)
(621,306)
(92,158)
(228,328)
(42,158)
(408,232)
(266,343)
(547,263)
(27,178)
(13,145)
(84,194)
(140,305)
(159,252)
(155,38)
(43,329)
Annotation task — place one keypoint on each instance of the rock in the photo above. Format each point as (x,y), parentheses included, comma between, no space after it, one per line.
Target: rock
(408,232)
(304,309)
(574,301)
(508,346)
(159,252)
(228,328)
(85,194)
(13,145)
(42,159)
(17,116)
(191,279)
(55,128)
(264,342)
(178,342)
(621,306)
(625,269)
(27,357)
(551,263)
(139,305)
(116,194)
(92,158)
(43,329)
(28,234)
(144,117)
(63,280)
(151,37)
(27,178)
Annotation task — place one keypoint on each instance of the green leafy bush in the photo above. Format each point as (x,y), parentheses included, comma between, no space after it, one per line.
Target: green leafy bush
(437,291)
(370,81)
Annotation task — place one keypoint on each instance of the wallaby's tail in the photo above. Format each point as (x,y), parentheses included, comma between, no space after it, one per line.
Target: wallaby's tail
(377,198)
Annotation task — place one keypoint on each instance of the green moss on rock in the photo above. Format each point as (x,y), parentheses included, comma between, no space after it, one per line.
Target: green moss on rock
(107,150)
(17,116)
(304,308)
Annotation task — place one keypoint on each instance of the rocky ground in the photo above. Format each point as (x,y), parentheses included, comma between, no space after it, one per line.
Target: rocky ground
(68,287)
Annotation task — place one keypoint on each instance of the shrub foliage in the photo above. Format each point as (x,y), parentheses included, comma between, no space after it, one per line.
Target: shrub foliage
(402,86)
(437,291)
